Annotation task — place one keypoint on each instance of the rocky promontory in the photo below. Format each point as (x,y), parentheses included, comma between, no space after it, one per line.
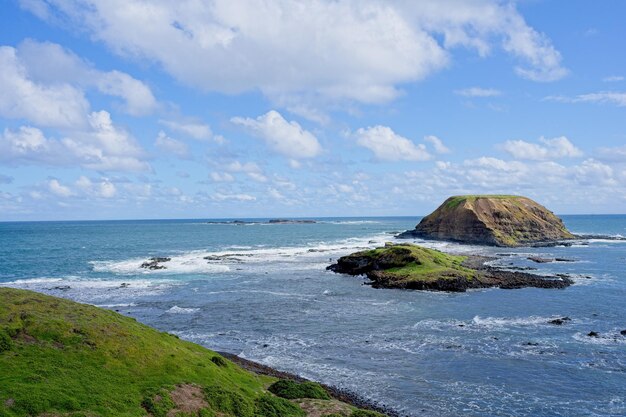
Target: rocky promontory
(497,220)
(415,267)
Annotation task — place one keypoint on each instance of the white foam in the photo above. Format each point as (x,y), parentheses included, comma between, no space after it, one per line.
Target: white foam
(182,310)
(511,321)
(311,256)
(189,263)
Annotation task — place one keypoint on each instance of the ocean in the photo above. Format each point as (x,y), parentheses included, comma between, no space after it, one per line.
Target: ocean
(262,291)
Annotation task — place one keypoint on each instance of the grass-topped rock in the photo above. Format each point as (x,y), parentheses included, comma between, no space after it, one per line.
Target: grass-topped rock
(61,358)
(499,220)
(415,267)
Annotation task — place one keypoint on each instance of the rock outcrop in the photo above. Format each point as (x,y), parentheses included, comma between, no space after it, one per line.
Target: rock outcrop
(417,268)
(497,220)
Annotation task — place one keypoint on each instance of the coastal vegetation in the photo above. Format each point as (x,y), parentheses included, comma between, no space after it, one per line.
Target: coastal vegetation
(415,267)
(62,358)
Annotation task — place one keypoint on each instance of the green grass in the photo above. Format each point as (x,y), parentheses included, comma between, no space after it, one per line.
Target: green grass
(293,390)
(67,359)
(457,200)
(408,262)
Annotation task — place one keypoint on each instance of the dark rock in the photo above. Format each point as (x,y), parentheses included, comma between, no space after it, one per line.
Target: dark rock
(62,287)
(155,263)
(531,344)
(560,321)
(290,221)
(623,332)
(593,334)
(540,260)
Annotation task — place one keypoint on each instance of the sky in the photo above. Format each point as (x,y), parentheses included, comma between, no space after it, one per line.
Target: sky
(136,109)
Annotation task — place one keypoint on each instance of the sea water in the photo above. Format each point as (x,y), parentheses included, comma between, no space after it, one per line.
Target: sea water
(262,291)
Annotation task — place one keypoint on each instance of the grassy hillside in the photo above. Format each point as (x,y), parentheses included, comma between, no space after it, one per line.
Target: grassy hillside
(61,358)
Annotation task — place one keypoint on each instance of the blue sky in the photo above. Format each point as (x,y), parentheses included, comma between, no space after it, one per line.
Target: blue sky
(117,109)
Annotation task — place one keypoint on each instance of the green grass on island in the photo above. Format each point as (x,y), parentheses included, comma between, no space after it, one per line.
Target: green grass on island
(408,262)
(457,200)
(61,358)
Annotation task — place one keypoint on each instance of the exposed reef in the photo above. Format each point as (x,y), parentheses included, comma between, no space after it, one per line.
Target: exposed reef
(415,267)
(271,221)
(497,220)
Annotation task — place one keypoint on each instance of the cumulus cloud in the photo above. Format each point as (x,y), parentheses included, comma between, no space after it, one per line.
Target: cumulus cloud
(437,144)
(286,138)
(355,50)
(559,147)
(617,98)
(171,145)
(389,146)
(613,78)
(58,189)
(478,92)
(196,130)
(103,146)
(102,188)
(59,104)
(51,64)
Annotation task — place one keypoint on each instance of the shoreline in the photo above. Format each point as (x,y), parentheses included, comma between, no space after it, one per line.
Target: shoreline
(345,396)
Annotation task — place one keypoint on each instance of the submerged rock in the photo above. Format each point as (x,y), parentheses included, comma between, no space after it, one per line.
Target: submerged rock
(414,267)
(497,220)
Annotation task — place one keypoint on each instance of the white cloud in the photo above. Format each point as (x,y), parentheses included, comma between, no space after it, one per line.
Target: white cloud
(51,64)
(170,145)
(389,146)
(613,78)
(437,144)
(355,50)
(287,138)
(235,197)
(478,92)
(221,177)
(103,146)
(237,166)
(609,97)
(59,104)
(617,153)
(196,130)
(107,189)
(58,189)
(559,147)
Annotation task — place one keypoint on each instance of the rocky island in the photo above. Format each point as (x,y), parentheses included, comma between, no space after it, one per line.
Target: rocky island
(497,220)
(414,267)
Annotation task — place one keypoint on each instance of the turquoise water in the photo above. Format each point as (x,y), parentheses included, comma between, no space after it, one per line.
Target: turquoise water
(264,293)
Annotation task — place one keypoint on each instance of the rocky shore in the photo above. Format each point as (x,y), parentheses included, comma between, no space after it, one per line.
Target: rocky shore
(413,267)
(344,396)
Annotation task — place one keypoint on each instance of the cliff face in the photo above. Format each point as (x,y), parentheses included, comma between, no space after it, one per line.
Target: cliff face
(491,220)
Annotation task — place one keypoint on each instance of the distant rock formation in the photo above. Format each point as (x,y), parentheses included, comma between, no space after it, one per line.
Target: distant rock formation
(498,220)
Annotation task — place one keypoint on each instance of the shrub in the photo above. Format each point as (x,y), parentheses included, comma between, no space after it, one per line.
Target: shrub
(6,343)
(158,404)
(292,390)
(270,406)
(228,402)
(219,361)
